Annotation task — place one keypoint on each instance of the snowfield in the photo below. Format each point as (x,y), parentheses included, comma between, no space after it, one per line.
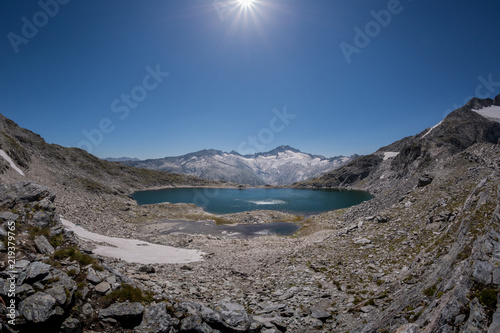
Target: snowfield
(133,250)
(12,164)
(490,112)
(390,154)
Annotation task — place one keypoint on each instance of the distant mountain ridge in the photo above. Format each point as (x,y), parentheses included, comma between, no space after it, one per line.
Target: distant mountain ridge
(283,165)
(121,159)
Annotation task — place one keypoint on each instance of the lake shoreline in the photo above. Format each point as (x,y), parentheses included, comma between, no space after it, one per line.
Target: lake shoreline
(223,201)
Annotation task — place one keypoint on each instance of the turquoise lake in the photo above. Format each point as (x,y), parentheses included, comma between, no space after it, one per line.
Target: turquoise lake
(225,201)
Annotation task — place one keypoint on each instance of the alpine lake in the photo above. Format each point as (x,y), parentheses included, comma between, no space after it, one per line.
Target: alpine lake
(226,201)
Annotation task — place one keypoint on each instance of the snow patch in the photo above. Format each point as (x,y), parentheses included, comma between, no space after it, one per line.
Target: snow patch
(433,127)
(12,164)
(133,250)
(390,154)
(490,112)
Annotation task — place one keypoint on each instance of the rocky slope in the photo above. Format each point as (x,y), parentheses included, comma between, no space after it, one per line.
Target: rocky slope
(415,155)
(88,189)
(281,166)
(49,284)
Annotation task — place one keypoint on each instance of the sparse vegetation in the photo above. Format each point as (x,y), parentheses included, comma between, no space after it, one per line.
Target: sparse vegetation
(128,293)
(488,298)
(74,254)
(430,291)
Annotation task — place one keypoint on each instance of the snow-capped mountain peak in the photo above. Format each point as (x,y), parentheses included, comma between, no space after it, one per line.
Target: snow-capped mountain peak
(281,166)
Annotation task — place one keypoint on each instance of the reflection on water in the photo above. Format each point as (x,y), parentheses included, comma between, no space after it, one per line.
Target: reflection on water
(229,231)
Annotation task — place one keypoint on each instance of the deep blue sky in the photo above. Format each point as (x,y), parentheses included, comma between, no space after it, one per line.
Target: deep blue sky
(230,68)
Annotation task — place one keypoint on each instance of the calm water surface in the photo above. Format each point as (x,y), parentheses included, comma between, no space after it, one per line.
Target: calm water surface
(225,201)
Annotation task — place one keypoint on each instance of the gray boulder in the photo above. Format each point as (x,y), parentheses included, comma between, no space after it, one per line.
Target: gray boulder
(478,320)
(24,291)
(93,277)
(102,288)
(37,271)
(59,294)
(8,216)
(234,317)
(155,319)
(43,245)
(482,272)
(129,315)
(319,313)
(38,308)
(42,219)
(87,310)
(194,324)
(71,325)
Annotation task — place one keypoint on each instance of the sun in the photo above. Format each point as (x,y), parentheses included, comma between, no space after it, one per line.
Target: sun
(245,3)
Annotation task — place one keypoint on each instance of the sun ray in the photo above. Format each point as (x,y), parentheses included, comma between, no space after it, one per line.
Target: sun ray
(245,3)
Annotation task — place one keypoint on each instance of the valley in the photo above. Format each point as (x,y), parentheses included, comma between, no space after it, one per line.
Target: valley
(421,256)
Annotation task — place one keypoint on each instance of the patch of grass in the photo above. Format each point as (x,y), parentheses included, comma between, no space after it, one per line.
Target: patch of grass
(128,293)
(382,296)
(74,255)
(371,301)
(37,231)
(430,291)
(56,241)
(488,298)
(357,301)
(94,187)
(72,272)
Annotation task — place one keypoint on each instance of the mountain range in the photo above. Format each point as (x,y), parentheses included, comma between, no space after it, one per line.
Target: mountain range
(283,165)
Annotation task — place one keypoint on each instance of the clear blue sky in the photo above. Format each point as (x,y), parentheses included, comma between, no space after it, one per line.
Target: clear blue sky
(70,66)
